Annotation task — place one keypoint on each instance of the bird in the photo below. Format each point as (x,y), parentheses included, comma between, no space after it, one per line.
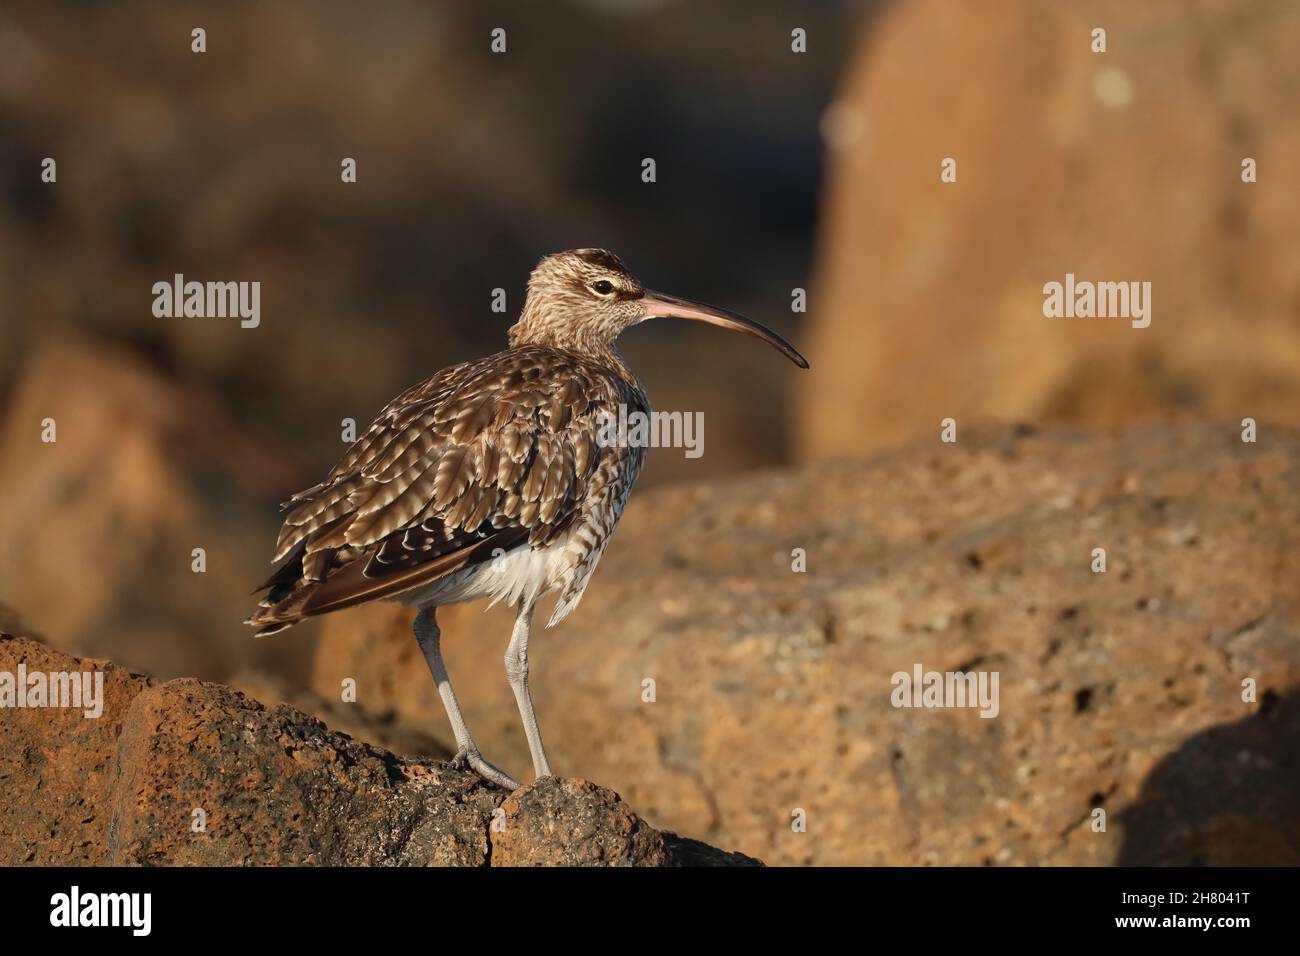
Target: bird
(491,478)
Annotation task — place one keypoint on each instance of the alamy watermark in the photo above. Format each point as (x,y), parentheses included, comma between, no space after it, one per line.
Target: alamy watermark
(947,689)
(1103,300)
(638,429)
(208,300)
(79,690)
(75,908)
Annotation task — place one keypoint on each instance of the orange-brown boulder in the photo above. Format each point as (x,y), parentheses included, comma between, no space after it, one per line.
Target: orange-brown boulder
(191,773)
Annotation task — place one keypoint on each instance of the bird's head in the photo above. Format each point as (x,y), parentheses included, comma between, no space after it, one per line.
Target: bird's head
(582,299)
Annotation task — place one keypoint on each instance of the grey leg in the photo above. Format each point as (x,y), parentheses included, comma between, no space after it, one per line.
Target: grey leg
(429,638)
(517,675)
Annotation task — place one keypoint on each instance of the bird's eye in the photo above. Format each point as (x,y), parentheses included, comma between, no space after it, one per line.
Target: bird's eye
(602,287)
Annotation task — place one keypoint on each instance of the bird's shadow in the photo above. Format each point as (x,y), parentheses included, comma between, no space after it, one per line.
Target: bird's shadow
(1229,796)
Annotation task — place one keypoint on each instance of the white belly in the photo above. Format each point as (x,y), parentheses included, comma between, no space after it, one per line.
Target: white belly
(523,573)
(526,573)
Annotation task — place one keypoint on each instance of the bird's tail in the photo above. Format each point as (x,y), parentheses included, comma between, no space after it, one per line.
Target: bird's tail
(286,592)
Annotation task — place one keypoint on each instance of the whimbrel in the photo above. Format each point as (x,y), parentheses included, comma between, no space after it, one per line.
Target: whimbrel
(488,479)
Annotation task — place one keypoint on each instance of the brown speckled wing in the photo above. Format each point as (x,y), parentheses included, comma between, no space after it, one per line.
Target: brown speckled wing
(503,450)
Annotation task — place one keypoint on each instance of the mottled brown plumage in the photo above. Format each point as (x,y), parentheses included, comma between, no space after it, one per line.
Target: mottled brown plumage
(489,454)
(488,478)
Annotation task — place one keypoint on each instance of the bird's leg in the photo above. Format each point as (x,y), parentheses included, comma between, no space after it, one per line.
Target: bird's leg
(517,675)
(429,637)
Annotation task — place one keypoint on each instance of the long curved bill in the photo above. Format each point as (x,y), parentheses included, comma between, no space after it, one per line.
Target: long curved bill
(659,305)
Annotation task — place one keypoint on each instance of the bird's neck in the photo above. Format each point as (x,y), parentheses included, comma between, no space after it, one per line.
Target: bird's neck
(568,339)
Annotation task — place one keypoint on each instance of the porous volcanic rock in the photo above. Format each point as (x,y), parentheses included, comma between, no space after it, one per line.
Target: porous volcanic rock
(191,773)
(576,823)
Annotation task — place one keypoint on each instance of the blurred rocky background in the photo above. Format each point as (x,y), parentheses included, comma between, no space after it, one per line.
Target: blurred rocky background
(776,170)
(1121,166)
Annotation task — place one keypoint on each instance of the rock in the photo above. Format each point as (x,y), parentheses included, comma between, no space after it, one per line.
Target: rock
(275,787)
(1119,691)
(56,766)
(576,823)
(382,730)
(191,773)
(1115,166)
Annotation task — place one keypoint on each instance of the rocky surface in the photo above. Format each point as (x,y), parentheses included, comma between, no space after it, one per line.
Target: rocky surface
(1119,691)
(569,822)
(342,715)
(1116,166)
(57,767)
(192,773)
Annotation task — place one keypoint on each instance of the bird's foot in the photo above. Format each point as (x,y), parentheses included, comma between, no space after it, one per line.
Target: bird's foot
(474,761)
